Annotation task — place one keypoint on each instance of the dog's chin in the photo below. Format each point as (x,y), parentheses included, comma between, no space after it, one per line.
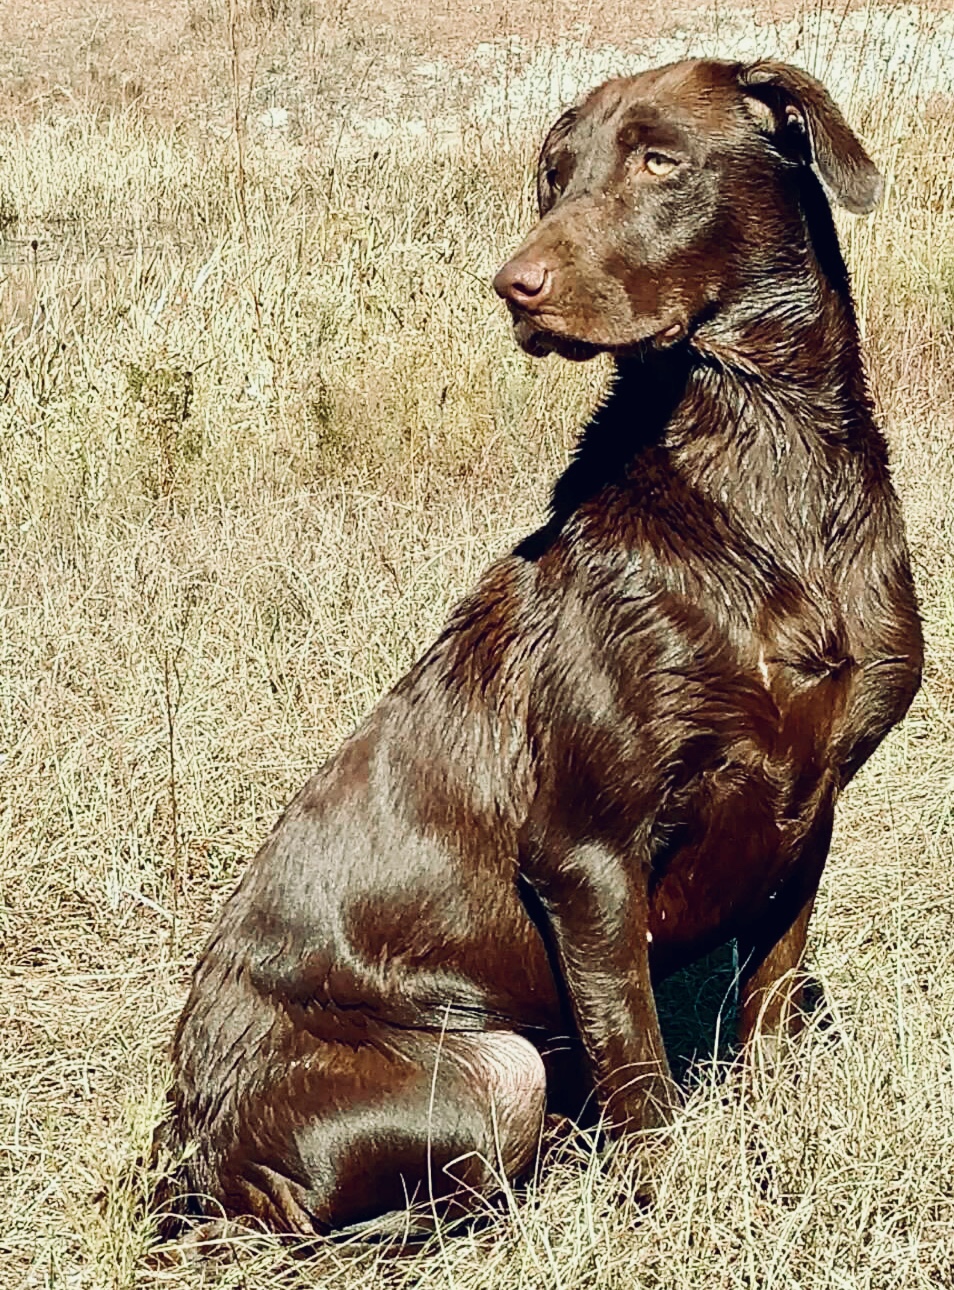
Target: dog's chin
(537,342)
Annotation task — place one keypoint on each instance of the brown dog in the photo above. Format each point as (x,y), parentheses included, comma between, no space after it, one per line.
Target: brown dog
(626,747)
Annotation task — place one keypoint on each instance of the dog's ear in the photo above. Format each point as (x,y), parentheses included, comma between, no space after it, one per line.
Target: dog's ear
(549,178)
(786,99)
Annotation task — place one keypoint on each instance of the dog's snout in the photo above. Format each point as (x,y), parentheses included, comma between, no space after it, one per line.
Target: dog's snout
(524,282)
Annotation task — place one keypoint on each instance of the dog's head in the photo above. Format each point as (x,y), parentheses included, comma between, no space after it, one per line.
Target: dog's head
(668,196)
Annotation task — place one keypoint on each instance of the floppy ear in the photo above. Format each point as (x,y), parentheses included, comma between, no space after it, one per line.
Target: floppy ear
(547,191)
(791,99)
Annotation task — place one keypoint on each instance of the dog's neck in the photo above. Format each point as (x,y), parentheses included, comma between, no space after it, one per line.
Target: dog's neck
(780,444)
(777,424)
(784,339)
(768,419)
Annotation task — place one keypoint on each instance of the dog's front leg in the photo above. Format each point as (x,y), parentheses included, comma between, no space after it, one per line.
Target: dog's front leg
(596,905)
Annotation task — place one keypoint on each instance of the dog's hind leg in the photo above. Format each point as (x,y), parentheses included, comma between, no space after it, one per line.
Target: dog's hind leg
(345,1134)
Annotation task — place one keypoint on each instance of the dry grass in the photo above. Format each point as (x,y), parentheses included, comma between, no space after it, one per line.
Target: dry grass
(245,467)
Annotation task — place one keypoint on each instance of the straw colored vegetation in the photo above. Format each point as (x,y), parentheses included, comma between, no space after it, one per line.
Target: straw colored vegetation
(261,422)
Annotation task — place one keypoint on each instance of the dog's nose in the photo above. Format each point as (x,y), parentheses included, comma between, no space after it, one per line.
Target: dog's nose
(525,283)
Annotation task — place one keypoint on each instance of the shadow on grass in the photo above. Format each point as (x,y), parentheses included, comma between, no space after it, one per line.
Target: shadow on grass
(698,1011)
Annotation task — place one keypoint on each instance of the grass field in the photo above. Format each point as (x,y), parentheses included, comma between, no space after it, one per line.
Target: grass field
(261,422)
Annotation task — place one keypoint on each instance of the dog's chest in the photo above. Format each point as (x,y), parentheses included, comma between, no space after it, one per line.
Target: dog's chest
(719,683)
(738,838)
(748,791)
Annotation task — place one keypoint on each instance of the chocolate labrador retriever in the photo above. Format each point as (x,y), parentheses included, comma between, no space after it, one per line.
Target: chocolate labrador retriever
(627,744)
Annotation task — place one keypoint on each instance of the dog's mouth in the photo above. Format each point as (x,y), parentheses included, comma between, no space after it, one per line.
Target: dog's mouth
(536,339)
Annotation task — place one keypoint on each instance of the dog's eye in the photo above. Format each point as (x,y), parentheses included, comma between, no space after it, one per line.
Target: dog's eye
(658,164)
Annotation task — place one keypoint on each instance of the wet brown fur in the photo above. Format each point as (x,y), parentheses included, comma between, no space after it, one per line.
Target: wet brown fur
(627,745)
